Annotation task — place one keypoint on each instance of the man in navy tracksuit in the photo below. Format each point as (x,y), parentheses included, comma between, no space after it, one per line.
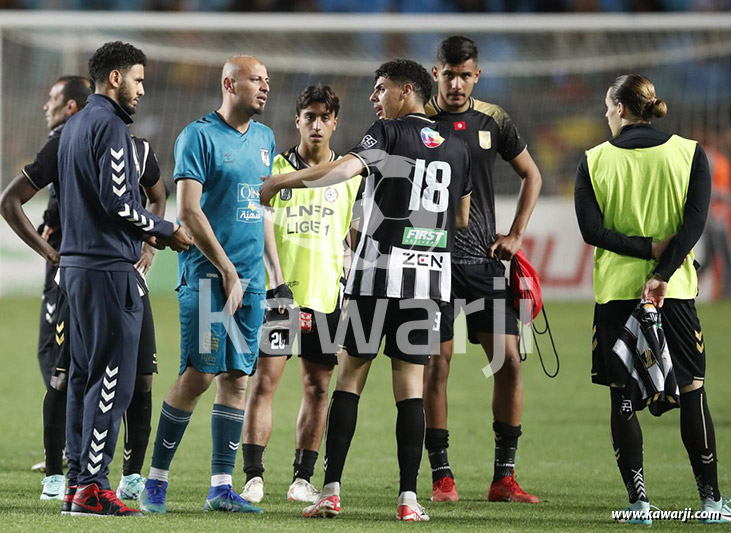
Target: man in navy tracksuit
(103,221)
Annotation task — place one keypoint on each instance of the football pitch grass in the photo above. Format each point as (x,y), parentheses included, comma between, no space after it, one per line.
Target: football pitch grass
(565,455)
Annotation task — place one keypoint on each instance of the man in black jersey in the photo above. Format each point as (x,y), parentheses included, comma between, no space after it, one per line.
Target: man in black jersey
(66,98)
(416,195)
(477,271)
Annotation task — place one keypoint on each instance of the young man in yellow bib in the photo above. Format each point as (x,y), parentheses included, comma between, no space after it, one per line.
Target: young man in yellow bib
(311,226)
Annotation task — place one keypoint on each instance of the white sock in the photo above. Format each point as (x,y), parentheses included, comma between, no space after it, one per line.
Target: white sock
(406,497)
(331,489)
(158,474)
(221,479)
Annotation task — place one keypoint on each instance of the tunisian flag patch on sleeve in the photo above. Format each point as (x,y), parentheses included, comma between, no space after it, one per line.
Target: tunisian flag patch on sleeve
(460,125)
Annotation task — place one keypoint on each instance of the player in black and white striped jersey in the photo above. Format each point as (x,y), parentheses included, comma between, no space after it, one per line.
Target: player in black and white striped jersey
(416,195)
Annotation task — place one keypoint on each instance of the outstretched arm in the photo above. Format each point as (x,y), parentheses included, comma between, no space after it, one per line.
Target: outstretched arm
(318,176)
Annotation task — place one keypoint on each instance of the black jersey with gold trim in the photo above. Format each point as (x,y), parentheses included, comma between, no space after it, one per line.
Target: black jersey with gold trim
(488,131)
(418,171)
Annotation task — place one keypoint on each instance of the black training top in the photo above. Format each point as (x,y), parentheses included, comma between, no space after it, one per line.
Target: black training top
(488,131)
(591,220)
(43,172)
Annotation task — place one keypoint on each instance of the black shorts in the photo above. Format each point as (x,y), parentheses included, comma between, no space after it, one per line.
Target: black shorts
(682,332)
(310,346)
(146,354)
(383,317)
(475,285)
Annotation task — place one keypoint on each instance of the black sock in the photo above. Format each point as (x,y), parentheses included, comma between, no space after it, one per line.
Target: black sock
(506,445)
(253,460)
(54,430)
(304,464)
(627,442)
(437,442)
(699,438)
(410,429)
(137,431)
(341,419)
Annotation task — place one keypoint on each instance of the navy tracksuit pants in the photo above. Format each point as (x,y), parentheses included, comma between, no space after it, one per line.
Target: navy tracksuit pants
(105,315)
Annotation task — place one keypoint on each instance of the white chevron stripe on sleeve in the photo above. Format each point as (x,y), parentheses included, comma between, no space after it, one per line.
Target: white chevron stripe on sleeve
(108,396)
(100,436)
(118,154)
(118,166)
(124,212)
(118,179)
(120,191)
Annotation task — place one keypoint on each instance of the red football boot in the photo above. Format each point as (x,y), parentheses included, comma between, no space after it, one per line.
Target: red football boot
(444,490)
(507,490)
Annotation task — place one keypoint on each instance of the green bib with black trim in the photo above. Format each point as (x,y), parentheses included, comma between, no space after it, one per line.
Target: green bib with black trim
(641,192)
(310,226)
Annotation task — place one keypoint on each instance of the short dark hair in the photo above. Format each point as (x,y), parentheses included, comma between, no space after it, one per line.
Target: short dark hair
(114,55)
(455,50)
(318,94)
(406,71)
(76,88)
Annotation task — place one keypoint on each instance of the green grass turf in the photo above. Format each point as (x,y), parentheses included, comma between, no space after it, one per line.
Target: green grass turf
(565,455)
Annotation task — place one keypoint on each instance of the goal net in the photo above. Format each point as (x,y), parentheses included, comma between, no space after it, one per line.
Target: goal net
(548,72)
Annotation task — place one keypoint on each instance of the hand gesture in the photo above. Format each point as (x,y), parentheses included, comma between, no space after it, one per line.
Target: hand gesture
(179,241)
(267,190)
(233,291)
(146,257)
(654,291)
(505,246)
(659,247)
(47,231)
(282,297)
(52,256)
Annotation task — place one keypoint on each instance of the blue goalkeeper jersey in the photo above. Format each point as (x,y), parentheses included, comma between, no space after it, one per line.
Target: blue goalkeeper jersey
(229,165)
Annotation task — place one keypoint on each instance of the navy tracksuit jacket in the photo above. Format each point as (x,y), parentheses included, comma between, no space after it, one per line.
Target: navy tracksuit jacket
(103,221)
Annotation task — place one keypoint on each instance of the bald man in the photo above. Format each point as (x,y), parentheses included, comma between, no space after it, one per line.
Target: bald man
(219,161)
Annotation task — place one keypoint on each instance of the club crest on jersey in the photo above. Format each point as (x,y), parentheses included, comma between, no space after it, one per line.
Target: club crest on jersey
(265,156)
(285,194)
(368,142)
(431,138)
(485,139)
(331,194)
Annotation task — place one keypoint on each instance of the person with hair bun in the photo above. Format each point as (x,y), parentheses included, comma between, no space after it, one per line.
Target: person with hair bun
(642,200)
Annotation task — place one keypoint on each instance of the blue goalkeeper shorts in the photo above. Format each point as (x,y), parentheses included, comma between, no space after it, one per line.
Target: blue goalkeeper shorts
(211,346)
